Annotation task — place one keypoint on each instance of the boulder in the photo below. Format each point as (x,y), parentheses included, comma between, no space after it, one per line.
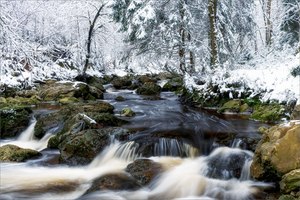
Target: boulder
(14,119)
(53,91)
(277,153)
(144,170)
(146,78)
(149,88)
(114,182)
(175,84)
(290,182)
(122,82)
(127,112)
(296,113)
(82,147)
(268,113)
(12,153)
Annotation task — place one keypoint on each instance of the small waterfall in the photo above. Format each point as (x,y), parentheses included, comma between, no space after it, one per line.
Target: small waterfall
(28,134)
(173,147)
(237,142)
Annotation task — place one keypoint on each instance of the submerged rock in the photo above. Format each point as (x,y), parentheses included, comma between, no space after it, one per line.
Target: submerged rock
(127,112)
(277,153)
(144,170)
(14,119)
(13,153)
(114,182)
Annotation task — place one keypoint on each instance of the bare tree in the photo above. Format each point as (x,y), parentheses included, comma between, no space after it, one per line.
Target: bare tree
(92,30)
(212,13)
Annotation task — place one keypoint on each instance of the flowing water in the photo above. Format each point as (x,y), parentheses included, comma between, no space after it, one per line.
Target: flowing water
(200,154)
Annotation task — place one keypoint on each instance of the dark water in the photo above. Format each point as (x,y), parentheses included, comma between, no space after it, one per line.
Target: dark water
(204,156)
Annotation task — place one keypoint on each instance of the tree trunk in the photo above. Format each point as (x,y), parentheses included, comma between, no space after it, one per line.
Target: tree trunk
(268,23)
(89,41)
(192,59)
(212,11)
(181,51)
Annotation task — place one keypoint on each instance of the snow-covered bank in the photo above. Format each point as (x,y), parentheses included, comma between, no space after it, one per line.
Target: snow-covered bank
(268,78)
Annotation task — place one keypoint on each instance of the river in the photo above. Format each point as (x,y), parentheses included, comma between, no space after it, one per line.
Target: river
(204,156)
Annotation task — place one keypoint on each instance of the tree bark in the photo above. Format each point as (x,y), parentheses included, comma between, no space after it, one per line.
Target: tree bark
(268,23)
(181,51)
(212,11)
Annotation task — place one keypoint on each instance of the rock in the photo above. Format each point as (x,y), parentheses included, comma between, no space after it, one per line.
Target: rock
(67,118)
(92,81)
(12,153)
(268,113)
(145,79)
(290,182)
(82,147)
(144,170)
(277,153)
(175,84)
(107,119)
(120,98)
(14,120)
(149,88)
(231,106)
(127,112)
(296,113)
(287,197)
(113,182)
(225,163)
(122,82)
(68,100)
(58,90)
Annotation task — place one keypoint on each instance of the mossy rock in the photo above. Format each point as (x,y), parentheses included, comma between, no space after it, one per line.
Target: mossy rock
(68,100)
(122,82)
(82,147)
(149,88)
(107,119)
(114,182)
(175,84)
(92,81)
(146,78)
(14,119)
(127,112)
(120,98)
(144,170)
(268,113)
(231,106)
(12,153)
(287,197)
(290,182)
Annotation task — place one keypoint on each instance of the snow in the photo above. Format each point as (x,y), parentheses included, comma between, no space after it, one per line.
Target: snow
(269,77)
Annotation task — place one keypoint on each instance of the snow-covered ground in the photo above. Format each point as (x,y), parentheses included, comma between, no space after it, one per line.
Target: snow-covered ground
(269,76)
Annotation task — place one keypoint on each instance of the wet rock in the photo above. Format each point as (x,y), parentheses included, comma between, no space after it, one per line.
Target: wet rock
(226,163)
(277,153)
(234,106)
(12,153)
(68,117)
(122,82)
(290,182)
(120,98)
(173,85)
(114,182)
(287,197)
(82,147)
(68,100)
(107,119)
(146,78)
(149,88)
(127,112)
(296,113)
(144,170)
(92,81)
(14,119)
(58,90)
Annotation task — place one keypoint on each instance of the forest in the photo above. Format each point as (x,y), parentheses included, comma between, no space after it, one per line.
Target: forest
(150,99)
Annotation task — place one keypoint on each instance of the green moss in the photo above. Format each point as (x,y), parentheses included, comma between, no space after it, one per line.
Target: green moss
(68,100)
(12,153)
(127,112)
(149,88)
(268,113)
(287,197)
(231,106)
